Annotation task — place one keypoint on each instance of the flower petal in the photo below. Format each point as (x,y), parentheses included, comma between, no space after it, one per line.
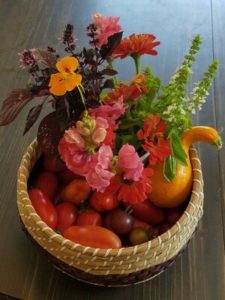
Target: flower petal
(72,81)
(67,64)
(57,84)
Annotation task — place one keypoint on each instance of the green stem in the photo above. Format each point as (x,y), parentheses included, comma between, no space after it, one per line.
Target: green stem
(137,61)
(80,89)
(110,64)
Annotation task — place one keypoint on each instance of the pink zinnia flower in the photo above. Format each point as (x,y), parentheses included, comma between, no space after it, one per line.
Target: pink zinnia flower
(130,163)
(106,27)
(100,169)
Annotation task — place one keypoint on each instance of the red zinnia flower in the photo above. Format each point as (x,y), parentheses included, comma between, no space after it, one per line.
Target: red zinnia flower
(131,92)
(130,191)
(155,143)
(136,44)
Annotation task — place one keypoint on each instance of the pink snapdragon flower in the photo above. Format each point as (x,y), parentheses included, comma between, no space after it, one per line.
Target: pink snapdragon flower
(130,163)
(84,153)
(106,27)
(100,130)
(72,150)
(100,169)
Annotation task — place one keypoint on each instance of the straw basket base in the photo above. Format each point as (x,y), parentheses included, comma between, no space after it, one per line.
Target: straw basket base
(104,280)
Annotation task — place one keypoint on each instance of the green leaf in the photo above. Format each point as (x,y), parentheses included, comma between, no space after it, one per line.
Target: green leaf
(177,149)
(170,168)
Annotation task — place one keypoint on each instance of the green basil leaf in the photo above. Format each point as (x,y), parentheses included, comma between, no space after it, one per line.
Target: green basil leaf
(177,149)
(170,168)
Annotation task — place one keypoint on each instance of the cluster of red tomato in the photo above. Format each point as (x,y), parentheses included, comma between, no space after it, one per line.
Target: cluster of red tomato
(66,203)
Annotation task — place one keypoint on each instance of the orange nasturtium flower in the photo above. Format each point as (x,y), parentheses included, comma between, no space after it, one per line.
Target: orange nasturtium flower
(66,79)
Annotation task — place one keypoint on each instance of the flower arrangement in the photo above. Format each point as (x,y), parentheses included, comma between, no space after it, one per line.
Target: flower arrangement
(109,132)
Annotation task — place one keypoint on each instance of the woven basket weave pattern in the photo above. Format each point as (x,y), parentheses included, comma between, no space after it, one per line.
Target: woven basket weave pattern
(110,261)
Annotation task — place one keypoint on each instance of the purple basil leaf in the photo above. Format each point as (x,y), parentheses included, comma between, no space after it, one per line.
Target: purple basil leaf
(108,84)
(49,133)
(113,42)
(109,72)
(13,104)
(32,117)
(45,58)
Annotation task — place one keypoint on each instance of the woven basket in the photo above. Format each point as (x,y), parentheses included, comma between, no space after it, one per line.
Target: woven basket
(109,267)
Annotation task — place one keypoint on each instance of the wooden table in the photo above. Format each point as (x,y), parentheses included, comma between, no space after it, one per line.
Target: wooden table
(199,273)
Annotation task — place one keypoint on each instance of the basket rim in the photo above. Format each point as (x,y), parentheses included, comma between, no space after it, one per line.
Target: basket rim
(23,201)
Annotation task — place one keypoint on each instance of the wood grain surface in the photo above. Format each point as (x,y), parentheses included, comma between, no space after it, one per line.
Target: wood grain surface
(199,273)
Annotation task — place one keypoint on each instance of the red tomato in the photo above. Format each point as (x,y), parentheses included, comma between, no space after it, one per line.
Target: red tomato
(66,176)
(140,224)
(173,215)
(67,215)
(104,201)
(43,207)
(47,182)
(53,164)
(148,212)
(93,236)
(77,191)
(89,217)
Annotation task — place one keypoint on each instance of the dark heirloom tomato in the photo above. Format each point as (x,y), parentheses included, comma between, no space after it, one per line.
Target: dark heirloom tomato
(93,236)
(164,227)
(77,191)
(53,164)
(173,214)
(89,217)
(148,212)
(67,215)
(43,207)
(119,221)
(104,201)
(47,182)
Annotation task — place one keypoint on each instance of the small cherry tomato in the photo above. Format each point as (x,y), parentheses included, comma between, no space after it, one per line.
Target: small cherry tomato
(43,207)
(173,215)
(119,221)
(148,212)
(77,191)
(53,164)
(138,236)
(89,217)
(67,215)
(104,201)
(47,182)
(140,224)
(93,236)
